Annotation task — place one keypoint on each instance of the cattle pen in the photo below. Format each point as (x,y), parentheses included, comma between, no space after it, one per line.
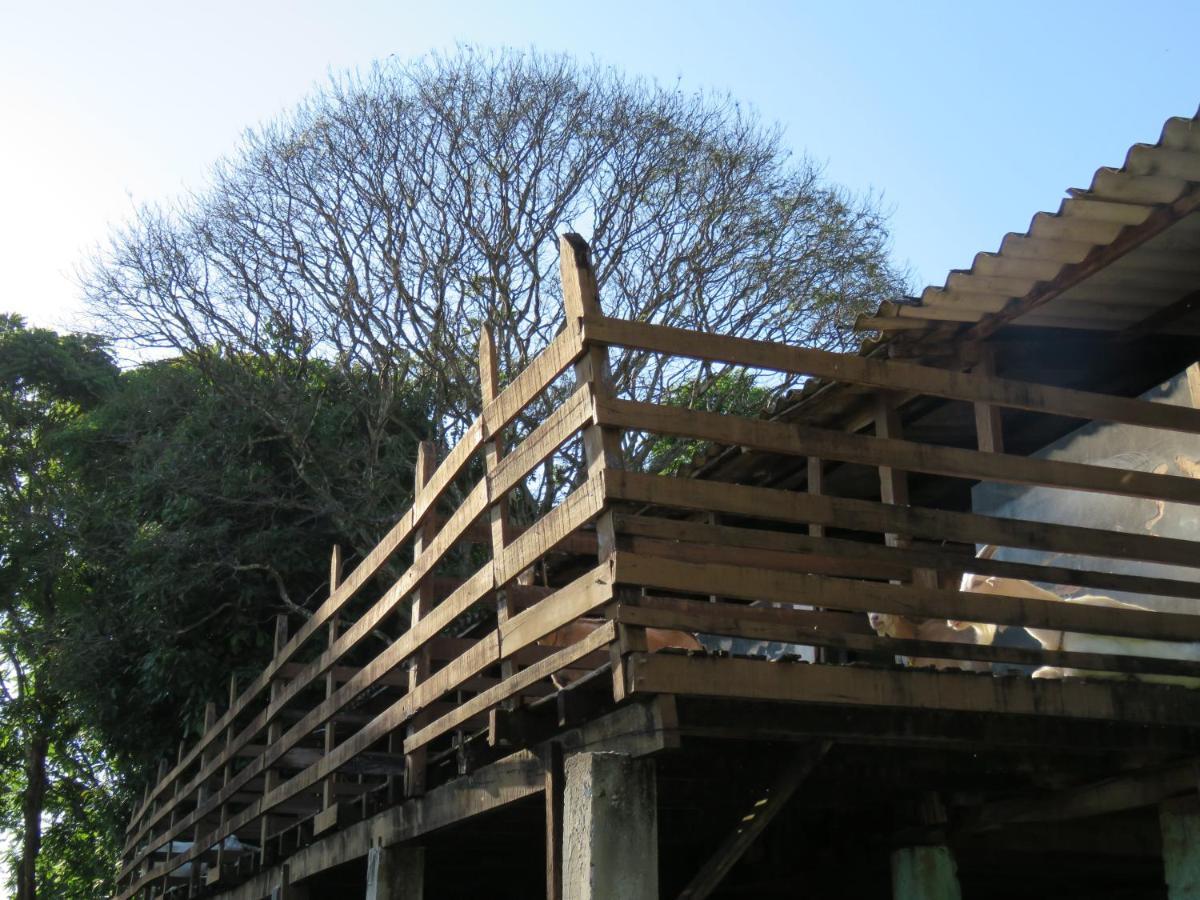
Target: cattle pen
(536,729)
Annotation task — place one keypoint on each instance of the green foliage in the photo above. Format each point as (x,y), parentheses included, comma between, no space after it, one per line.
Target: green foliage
(57,794)
(731,390)
(199,518)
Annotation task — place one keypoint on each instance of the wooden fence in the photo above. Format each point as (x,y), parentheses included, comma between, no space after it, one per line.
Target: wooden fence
(671,553)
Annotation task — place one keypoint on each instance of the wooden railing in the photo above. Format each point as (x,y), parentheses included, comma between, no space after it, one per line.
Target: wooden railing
(286,739)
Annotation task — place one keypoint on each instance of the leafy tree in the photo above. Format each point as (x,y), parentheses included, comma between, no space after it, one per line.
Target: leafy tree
(56,788)
(382,222)
(197,523)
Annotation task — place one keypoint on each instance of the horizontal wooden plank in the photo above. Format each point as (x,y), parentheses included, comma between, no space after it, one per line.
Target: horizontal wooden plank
(580,507)
(892,375)
(803,440)
(521,681)
(394,655)
(879,560)
(866,515)
(473,506)
(808,628)
(967,692)
(551,434)
(746,583)
(483,653)
(531,382)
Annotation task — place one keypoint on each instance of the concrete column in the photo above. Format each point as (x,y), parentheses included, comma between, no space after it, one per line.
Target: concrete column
(610,828)
(1180,824)
(924,873)
(286,890)
(396,873)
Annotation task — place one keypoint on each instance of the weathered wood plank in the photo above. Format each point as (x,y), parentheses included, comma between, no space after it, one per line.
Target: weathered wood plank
(892,375)
(861,596)
(893,453)
(816,629)
(549,614)
(513,685)
(873,560)
(660,673)
(865,515)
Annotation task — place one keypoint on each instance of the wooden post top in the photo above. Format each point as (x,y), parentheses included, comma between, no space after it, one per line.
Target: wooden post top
(581,297)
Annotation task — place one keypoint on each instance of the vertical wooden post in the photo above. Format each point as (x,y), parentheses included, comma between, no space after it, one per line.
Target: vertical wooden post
(501,531)
(893,483)
(328,816)
(422,600)
(217,871)
(210,719)
(989,429)
(274,733)
(816,487)
(602,446)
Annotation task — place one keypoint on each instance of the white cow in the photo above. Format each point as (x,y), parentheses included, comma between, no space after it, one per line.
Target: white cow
(1052,639)
(908,628)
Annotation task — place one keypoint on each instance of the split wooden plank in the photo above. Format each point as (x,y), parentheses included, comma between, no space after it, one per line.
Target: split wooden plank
(746,583)
(801,440)
(892,375)
(865,515)
(501,529)
(760,814)
(660,673)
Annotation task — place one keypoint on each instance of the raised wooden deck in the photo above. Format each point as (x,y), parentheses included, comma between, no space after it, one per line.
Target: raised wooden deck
(344,740)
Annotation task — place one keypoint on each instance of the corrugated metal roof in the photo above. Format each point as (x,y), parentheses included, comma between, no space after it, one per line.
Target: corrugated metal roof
(1114,256)
(1157,181)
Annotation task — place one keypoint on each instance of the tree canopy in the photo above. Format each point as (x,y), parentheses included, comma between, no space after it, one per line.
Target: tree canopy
(383,221)
(313,313)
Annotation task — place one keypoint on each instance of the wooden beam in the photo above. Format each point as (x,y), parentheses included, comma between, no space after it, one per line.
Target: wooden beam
(865,515)
(760,814)
(421,603)
(797,552)
(751,679)
(892,375)
(829,630)
(747,583)
(1148,787)
(802,440)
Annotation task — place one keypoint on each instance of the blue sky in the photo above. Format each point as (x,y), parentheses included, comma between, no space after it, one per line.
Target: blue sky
(968,118)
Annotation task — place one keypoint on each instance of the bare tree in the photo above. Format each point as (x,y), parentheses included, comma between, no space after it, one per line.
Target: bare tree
(381,223)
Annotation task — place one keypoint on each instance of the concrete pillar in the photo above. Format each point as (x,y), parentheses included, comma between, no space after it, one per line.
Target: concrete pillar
(286,890)
(924,873)
(1180,824)
(396,873)
(610,828)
